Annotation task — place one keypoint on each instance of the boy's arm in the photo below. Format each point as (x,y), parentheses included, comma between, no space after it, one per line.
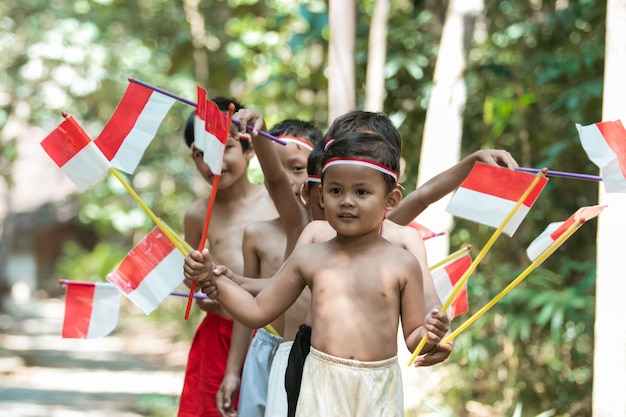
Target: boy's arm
(254,312)
(241,335)
(292,215)
(446,182)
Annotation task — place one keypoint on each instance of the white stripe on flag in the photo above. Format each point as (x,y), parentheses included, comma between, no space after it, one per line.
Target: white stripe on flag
(87,167)
(105,310)
(486,209)
(158,284)
(143,132)
(542,242)
(601,154)
(213,153)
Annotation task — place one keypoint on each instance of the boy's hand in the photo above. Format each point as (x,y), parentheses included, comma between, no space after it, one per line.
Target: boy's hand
(436,325)
(208,286)
(226,395)
(249,117)
(440,353)
(498,157)
(198,266)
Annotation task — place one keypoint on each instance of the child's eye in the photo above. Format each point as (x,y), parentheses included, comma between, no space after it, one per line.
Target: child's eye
(361,192)
(298,169)
(198,154)
(335,190)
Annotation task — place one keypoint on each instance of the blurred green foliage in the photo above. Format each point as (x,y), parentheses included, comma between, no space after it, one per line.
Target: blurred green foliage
(535,69)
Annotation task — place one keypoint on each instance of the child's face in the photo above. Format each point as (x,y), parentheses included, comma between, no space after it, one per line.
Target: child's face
(355,199)
(294,159)
(234,163)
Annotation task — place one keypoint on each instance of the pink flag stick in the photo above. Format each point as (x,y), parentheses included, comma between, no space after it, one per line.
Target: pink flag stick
(193,103)
(207,219)
(573,175)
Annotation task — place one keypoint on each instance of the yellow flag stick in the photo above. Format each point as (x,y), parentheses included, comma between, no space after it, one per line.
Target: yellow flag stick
(164,228)
(554,246)
(451,257)
(461,282)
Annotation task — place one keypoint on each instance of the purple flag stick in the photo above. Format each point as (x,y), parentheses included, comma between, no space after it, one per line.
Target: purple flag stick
(563,174)
(193,103)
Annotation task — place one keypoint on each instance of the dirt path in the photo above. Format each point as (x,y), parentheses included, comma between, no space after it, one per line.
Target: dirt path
(127,374)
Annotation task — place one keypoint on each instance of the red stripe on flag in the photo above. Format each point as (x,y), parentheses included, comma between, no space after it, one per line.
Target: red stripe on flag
(215,122)
(78,307)
(141,260)
(562,228)
(123,120)
(455,271)
(65,141)
(615,136)
(502,182)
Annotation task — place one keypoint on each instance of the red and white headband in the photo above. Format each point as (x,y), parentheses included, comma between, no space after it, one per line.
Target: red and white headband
(297,141)
(361,162)
(314,178)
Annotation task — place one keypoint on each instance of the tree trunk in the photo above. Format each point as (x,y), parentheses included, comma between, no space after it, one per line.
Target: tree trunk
(609,377)
(341,90)
(376,56)
(441,143)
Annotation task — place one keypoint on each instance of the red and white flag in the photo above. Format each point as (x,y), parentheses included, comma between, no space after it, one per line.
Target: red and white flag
(133,125)
(210,131)
(74,152)
(446,277)
(91,310)
(424,231)
(556,229)
(150,271)
(605,145)
(489,194)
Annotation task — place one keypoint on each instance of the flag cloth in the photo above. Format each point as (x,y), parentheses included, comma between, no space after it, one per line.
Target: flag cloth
(556,229)
(199,134)
(489,193)
(150,271)
(425,232)
(605,145)
(445,277)
(216,135)
(91,310)
(132,127)
(74,152)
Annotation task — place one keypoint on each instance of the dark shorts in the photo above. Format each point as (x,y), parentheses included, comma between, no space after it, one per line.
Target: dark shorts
(293,376)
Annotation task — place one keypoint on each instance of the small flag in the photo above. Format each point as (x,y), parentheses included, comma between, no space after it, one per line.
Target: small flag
(150,271)
(216,134)
(91,310)
(133,125)
(199,134)
(489,193)
(445,277)
(556,229)
(74,152)
(425,232)
(605,145)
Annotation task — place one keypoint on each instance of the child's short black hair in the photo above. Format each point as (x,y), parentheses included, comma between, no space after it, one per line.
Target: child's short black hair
(365,121)
(222,103)
(299,128)
(368,146)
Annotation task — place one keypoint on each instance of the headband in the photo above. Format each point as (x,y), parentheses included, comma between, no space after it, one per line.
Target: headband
(360,162)
(297,141)
(314,178)
(328,142)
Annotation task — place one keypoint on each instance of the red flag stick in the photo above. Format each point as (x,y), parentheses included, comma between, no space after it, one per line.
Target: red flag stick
(207,218)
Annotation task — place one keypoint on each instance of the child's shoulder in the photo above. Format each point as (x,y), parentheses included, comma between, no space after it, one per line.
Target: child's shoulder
(264,227)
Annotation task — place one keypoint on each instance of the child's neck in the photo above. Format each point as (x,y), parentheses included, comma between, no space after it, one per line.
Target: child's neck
(361,241)
(237,191)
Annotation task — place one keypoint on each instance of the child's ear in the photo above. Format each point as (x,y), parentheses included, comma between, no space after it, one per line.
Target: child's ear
(320,195)
(393,199)
(304,194)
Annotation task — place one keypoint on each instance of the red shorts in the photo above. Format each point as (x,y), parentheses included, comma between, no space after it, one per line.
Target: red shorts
(206,366)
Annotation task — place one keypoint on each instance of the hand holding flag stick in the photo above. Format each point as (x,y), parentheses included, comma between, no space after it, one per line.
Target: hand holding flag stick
(191,103)
(207,219)
(461,282)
